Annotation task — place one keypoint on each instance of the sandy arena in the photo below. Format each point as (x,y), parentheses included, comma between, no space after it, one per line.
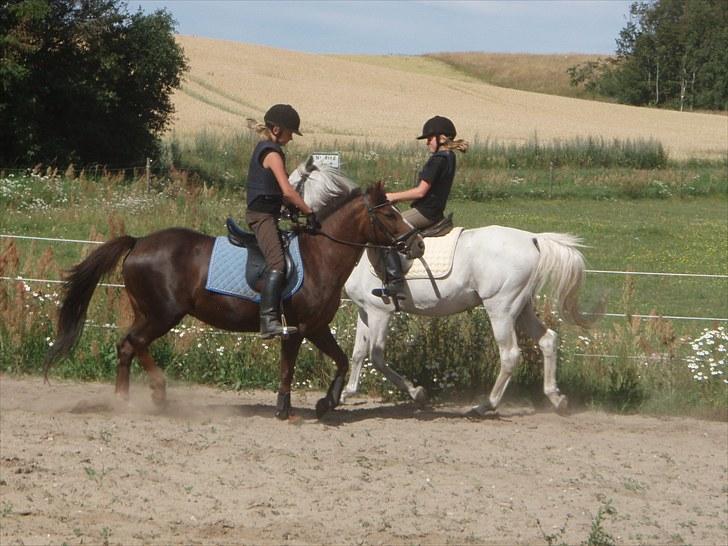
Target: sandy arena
(78,467)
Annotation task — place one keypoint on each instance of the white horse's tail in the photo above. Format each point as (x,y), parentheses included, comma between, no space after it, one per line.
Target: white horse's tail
(561,266)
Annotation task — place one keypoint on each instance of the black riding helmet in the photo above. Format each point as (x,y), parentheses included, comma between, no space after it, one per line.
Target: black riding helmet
(283,115)
(438,125)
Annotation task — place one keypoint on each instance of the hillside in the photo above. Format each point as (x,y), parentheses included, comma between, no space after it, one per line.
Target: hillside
(385,100)
(527,72)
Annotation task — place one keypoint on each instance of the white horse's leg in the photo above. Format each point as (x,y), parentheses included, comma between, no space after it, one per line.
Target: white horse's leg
(510,355)
(378,322)
(361,348)
(548,341)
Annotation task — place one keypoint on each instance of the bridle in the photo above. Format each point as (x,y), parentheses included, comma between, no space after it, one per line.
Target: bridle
(398,243)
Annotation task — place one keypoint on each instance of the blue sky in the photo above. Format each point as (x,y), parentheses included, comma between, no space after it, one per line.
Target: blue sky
(405,27)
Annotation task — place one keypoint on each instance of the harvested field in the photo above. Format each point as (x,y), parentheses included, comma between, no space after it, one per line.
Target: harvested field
(345,99)
(79,467)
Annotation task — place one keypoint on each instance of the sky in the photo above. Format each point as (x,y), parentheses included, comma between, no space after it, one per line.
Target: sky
(409,27)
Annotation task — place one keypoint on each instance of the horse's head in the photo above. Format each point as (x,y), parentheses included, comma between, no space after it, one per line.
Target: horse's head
(389,226)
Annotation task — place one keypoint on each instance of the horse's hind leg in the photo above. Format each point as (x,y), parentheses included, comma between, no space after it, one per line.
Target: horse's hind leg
(135,343)
(548,341)
(125,354)
(157,381)
(510,355)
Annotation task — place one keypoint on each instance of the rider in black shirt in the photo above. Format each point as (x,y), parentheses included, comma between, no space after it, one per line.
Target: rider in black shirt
(429,196)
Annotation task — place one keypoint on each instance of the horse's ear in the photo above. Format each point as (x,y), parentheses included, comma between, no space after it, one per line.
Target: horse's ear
(310,165)
(376,192)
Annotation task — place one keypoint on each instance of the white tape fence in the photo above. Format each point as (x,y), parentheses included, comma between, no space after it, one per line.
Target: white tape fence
(593,271)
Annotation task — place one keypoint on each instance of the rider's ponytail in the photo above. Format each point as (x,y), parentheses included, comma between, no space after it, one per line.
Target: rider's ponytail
(449,144)
(262,129)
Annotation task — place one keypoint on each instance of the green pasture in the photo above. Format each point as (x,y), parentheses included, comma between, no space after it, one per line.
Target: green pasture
(659,236)
(621,364)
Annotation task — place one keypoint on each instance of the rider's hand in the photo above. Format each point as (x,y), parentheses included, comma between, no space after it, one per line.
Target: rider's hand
(312,224)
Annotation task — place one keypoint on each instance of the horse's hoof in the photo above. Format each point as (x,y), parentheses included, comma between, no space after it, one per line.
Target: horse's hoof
(283,406)
(562,408)
(483,411)
(419,396)
(159,397)
(323,406)
(122,397)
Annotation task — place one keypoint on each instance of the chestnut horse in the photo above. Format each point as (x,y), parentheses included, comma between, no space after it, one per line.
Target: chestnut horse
(165,275)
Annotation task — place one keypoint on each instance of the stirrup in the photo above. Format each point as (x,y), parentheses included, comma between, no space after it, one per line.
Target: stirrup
(277,329)
(387,292)
(283,331)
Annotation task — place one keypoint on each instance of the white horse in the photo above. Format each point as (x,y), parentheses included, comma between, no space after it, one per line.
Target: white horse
(499,267)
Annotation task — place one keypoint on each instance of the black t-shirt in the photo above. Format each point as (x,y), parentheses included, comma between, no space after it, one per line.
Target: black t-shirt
(439,171)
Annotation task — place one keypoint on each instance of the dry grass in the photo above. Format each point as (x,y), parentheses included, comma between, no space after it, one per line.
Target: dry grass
(343,99)
(525,71)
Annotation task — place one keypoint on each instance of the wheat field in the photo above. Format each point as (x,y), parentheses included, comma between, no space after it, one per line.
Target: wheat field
(386,99)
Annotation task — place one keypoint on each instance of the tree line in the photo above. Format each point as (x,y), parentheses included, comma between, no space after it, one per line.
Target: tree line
(84,81)
(671,53)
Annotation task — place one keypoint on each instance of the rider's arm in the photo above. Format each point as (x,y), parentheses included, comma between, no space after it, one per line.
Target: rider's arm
(274,162)
(412,194)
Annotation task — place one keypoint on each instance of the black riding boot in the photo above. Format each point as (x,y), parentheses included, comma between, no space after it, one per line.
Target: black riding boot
(270,304)
(394,278)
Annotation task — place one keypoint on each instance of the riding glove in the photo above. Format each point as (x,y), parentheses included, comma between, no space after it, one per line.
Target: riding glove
(312,224)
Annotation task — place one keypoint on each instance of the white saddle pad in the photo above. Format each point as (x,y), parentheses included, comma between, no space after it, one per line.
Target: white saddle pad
(437,260)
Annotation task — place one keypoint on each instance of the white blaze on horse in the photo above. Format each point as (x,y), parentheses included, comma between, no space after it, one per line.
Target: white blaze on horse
(498,267)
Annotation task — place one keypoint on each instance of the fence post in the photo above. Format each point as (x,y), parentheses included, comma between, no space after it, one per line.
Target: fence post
(551,178)
(148,175)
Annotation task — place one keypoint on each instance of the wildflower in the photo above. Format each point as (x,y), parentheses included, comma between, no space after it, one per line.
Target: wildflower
(704,363)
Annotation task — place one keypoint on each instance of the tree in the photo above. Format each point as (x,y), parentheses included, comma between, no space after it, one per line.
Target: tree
(671,53)
(83,81)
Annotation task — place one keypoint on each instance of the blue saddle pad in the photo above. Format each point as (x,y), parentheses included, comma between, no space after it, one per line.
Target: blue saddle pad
(226,272)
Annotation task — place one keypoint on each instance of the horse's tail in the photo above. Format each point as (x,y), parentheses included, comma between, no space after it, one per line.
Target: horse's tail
(561,265)
(78,288)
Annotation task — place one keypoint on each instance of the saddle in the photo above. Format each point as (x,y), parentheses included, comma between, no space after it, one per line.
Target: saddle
(443,227)
(437,260)
(255,266)
(237,265)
